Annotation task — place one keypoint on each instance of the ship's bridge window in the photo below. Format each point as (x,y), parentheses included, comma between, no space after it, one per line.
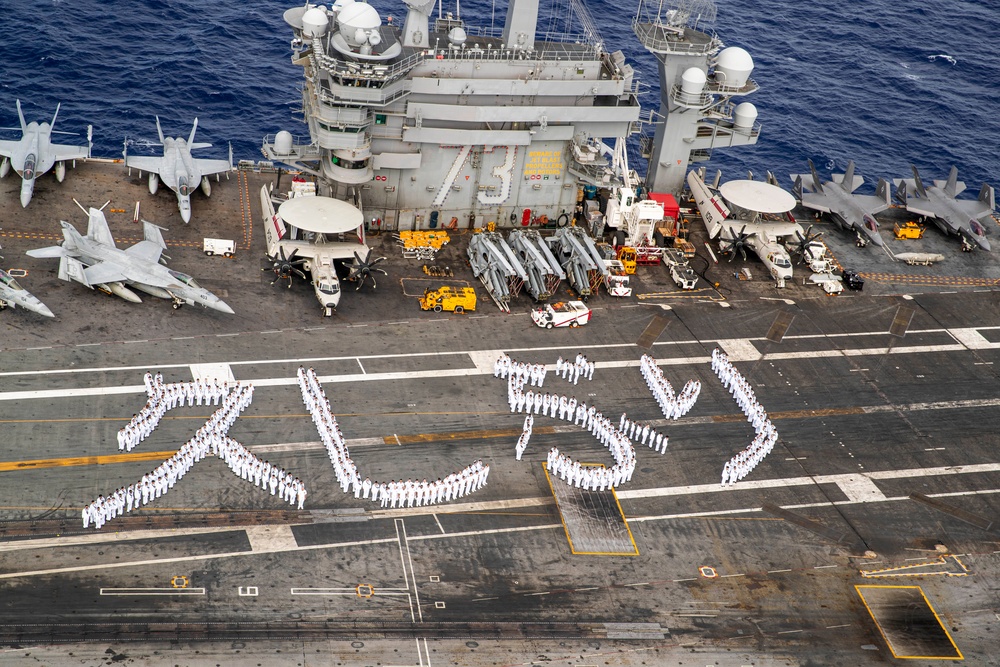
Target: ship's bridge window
(380,119)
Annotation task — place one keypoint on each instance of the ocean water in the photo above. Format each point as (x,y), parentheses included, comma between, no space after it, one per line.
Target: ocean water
(884,84)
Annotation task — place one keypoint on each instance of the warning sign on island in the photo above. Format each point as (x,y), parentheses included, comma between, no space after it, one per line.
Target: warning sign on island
(543,163)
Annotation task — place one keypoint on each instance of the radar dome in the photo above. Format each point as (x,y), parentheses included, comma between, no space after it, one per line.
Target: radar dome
(358,16)
(283,143)
(733,67)
(315,22)
(744,116)
(457,36)
(693,81)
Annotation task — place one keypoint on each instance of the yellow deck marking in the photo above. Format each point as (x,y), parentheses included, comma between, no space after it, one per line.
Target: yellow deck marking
(7,466)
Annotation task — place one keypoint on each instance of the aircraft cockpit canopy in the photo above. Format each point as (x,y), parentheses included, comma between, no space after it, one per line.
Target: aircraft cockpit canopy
(9,281)
(28,172)
(185,278)
(976,228)
(182,186)
(328,288)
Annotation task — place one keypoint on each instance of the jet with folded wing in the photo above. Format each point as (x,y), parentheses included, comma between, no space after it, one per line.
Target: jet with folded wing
(178,169)
(851,212)
(962,217)
(34,153)
(95,261)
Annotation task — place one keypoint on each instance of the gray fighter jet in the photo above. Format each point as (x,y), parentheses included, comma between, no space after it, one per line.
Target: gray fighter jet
(178,169)
(961,217)
(13,295)
(95,261)
(836,197)
(34,153)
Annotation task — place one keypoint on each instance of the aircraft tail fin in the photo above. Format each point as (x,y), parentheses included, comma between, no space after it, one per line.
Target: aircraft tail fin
(54,116)
(194,128)
(883,193)
(849,182)
(797,188)
(159,130)
(917,183)
(151,232)
(988,197)
(951,187)
(901,192)
(98,229)
(20,115)
(817,183)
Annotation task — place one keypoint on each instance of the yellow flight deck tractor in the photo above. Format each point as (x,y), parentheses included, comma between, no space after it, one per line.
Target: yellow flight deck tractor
(457,299)
(908,230)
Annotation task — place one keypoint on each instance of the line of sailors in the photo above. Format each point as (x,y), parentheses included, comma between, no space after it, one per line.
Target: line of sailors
(572,371)
(644,433)
(674,406)
(163,397)
(568,409)
(740,465)
(533,374)
(396,493)
(211,437)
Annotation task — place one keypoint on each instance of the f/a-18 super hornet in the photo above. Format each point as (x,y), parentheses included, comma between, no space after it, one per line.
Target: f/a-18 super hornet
(836,197)
(95,261)
(962,217)
(13,295)
(34,153)
(178,169)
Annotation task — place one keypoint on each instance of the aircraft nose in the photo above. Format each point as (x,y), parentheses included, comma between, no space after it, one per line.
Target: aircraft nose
(224,307)
(186,215)
(983,243)
(44,310)
(25,198)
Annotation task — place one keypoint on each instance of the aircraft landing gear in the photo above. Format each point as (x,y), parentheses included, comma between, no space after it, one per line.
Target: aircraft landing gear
(176,303)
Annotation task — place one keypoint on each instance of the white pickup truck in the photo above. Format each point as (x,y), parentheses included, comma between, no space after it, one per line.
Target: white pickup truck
(562,314)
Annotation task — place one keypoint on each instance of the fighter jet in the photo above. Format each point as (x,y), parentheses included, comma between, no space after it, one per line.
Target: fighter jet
(952,216)
(178,169)
(34,154)
(836,197)
(13,295)
(95,261)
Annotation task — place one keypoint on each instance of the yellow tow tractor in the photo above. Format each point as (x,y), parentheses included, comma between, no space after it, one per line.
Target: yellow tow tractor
(908,230)
(628,257)
(457,299)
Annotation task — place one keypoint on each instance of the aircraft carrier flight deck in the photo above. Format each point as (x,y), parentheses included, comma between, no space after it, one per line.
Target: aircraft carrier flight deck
(868,534)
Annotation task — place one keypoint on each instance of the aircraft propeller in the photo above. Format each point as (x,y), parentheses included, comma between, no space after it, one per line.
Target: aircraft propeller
(362,270)
(736,242)
(284,266)
(802,244)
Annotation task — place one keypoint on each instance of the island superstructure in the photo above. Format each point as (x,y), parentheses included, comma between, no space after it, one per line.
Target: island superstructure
(431,122)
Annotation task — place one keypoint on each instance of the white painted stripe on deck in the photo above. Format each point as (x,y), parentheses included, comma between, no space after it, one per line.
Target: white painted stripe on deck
(971,339)
(218,372)
(739,349)
(271,539)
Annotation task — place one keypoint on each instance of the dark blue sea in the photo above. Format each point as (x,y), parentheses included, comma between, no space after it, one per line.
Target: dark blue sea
(884,83)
